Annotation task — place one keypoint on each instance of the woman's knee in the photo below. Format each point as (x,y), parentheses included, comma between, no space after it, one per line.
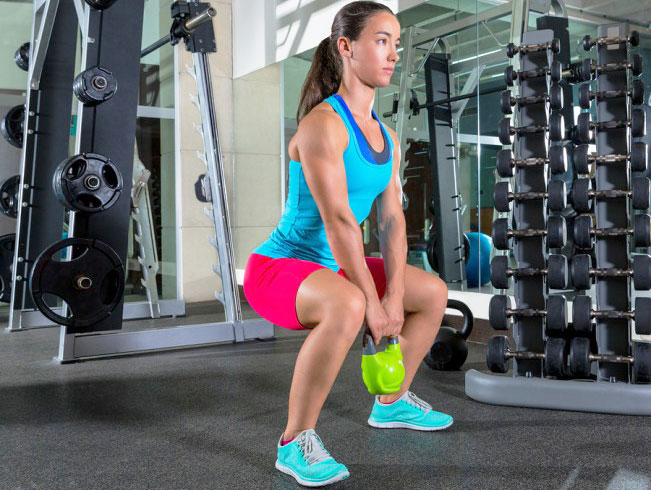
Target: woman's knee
(348,309)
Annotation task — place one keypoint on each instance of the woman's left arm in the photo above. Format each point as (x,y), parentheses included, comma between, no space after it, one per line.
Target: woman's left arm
(393,242)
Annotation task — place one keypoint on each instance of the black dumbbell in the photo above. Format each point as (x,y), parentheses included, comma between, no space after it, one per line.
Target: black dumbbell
(638,158)
(574,73)
(555,99)
(582,314)
(557,161)
(583,231)
(498,355)
(499,312)
(556,271)
(582,194)
(581,359)
(584,125)
(22,57)
(583,272)
(556,196)
(636,94)
(556,233)
(554,45)
(633,40)
(556,128)
(635,66)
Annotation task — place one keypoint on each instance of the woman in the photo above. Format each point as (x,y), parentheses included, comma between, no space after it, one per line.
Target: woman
(311,272)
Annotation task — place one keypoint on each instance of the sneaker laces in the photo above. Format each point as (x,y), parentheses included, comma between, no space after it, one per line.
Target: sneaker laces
(312,448)
(417,402)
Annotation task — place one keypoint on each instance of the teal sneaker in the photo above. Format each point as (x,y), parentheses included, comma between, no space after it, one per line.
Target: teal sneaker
(308,461)
(408,412)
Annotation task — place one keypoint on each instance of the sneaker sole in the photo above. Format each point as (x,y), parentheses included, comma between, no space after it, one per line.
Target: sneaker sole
(288,471)
(405,425)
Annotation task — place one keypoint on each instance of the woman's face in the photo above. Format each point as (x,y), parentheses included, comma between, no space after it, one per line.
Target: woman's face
(373,56)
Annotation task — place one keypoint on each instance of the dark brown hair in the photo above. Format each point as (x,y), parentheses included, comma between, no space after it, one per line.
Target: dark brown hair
(324,76)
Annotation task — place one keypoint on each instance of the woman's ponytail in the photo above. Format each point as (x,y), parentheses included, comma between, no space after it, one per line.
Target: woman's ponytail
(322,80)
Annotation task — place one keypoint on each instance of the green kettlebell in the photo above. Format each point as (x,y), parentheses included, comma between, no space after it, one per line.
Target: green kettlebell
(383,372)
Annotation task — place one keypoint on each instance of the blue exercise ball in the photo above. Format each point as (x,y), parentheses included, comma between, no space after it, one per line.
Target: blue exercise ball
(479,260)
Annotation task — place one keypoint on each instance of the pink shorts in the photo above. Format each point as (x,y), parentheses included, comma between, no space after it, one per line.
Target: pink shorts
(270,286)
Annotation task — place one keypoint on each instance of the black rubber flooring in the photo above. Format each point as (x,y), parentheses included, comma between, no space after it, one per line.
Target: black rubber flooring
(209,418)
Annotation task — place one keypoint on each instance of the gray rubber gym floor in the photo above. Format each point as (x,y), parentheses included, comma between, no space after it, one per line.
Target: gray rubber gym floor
(210,418)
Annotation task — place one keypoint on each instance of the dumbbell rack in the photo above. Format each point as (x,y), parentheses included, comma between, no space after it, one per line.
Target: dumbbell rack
(528,386)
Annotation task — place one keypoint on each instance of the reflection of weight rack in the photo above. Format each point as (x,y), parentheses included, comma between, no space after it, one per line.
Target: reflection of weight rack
(602,351)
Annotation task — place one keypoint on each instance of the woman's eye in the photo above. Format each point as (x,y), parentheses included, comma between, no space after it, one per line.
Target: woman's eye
(382,41)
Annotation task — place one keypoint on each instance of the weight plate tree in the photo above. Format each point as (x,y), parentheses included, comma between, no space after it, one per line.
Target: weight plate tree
(48,107)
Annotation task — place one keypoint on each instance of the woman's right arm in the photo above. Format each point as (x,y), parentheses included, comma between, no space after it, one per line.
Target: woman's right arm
(321,142)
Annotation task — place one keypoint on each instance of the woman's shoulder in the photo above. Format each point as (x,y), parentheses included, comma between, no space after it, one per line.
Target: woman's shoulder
(320,121)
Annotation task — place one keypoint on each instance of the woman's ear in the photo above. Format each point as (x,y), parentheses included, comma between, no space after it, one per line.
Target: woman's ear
(345,47)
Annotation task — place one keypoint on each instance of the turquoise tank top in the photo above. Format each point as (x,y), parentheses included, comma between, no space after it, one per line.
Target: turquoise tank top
(300,234)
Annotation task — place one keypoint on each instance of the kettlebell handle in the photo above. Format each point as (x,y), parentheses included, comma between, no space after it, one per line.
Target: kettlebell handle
(368,346)
(468,319)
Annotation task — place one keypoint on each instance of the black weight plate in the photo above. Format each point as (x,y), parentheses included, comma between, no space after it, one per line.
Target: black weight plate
(12,126)
(556,126)
(584,96)
(499,234)
(557,271)
(556,232)
(93,260)
(642,362)
(432,258)
(497,312)
(505,163)
(643,316)
(556,97)
(587,43)
(501,196)
(637,92)
(580,366)
(509,76)
(636,65)
(583,127)
(499,266)
(558,159)
(634,38)
(511,50)
(639,157)
(582,229)
(556,313)
(505,102)
(581,200)
(9,196)
(642,230)
(580,270)
(87,182)
(7,246)
(504,131)
(582,159)
(581,309)
(556,195)
(22,57)
(100,4)
(641,193)
(496,352)
(555,357)
(638,123)
(94,86)
(642,272)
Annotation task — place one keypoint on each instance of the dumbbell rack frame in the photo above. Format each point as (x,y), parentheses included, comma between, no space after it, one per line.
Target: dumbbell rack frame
(613,336)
